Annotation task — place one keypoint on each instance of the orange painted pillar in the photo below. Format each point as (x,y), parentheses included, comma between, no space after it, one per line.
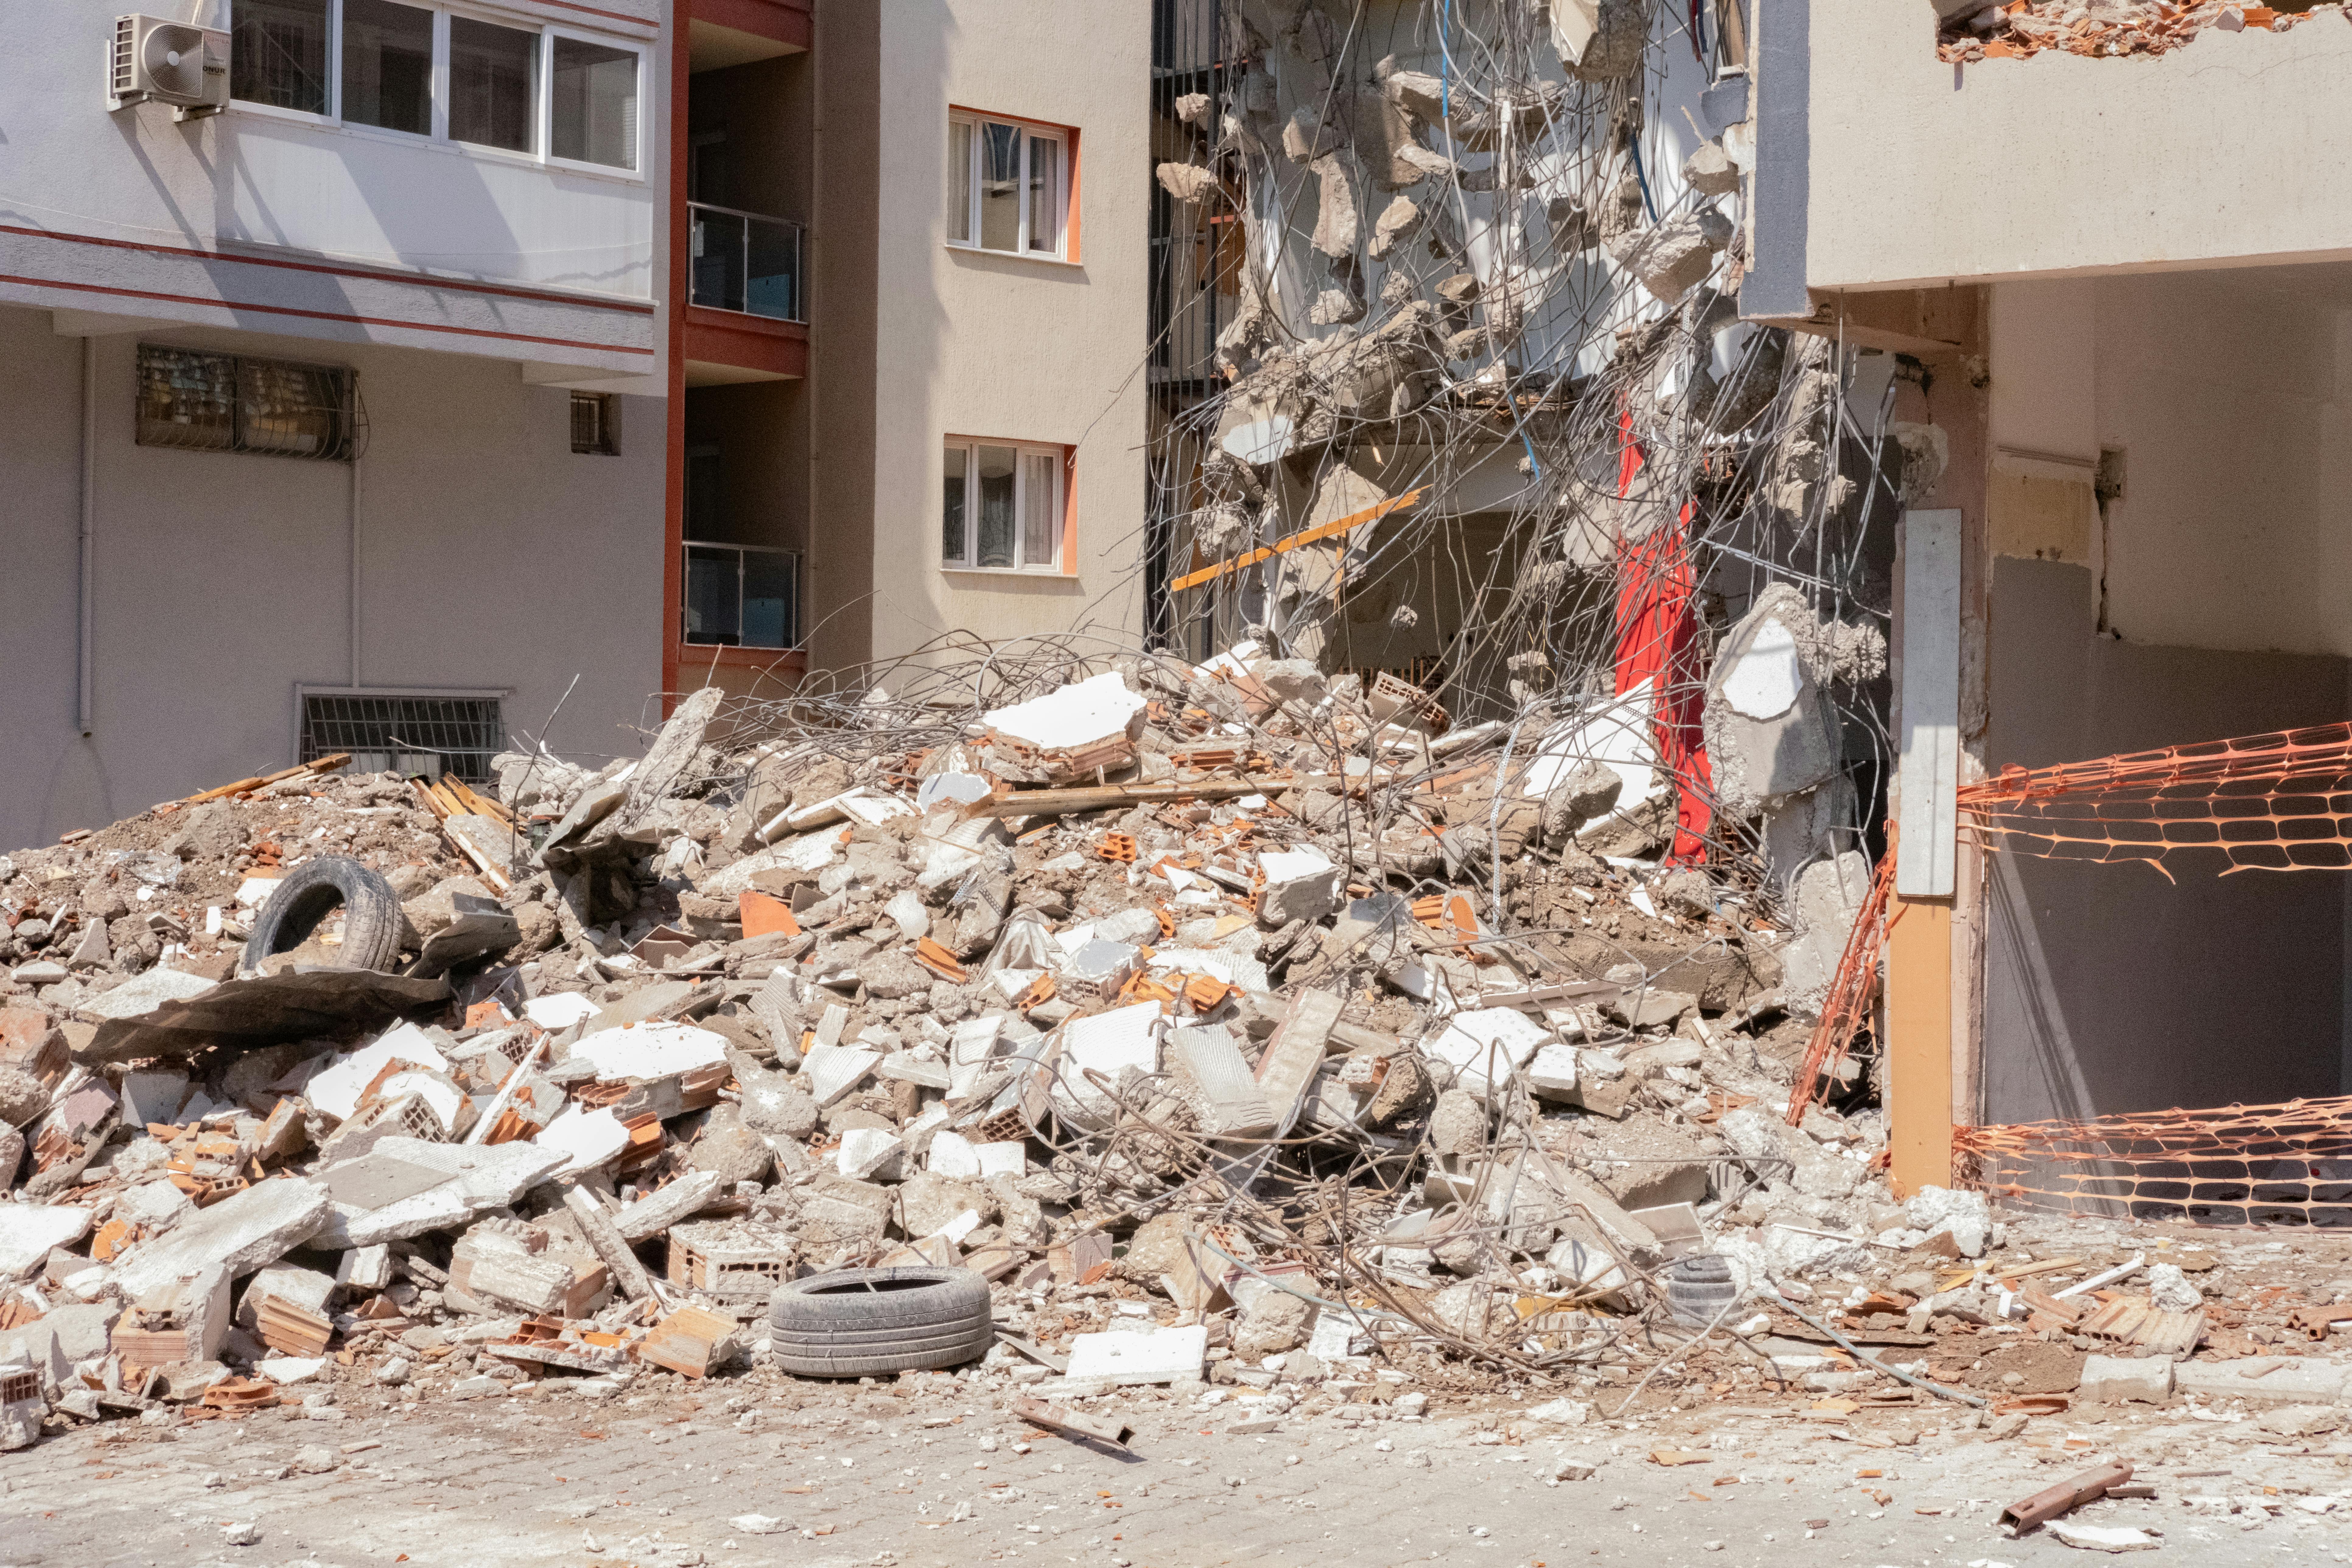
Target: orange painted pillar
(1919,1044)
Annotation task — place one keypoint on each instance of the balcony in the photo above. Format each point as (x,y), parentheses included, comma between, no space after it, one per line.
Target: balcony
(746,263)
(741,595)
(746,299)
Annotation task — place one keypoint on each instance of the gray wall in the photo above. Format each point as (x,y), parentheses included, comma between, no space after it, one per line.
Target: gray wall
(491,556)
(2109,989)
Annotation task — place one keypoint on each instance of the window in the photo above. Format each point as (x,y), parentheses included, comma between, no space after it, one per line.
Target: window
(226,403)
(388,65)
(1000,507)
(596,111)
(493,84)
(278,54)
(1008,186)
(596,423)
(415,732)
(404,66)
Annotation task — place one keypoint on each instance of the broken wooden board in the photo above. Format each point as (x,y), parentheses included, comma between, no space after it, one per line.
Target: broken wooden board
(1069,1423)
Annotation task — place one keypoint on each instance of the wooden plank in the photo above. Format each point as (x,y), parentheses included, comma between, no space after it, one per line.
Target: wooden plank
(1070,1424)
(1249,558)
(320,765)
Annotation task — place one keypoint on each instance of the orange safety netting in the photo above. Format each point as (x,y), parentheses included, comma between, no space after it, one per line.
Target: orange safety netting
(2241,1165)
(2280,802)
(1851,989)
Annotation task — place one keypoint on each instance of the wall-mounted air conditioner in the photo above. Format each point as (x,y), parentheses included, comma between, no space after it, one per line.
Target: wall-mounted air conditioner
(169,62)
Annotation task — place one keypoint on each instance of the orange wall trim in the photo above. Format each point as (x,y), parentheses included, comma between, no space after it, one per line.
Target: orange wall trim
(1919,1044)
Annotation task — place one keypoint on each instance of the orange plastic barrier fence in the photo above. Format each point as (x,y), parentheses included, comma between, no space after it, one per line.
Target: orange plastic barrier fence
(2280,802)
(1851,989)
(2239,1164)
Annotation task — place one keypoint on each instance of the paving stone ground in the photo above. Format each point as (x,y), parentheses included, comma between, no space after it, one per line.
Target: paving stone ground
(864,1477)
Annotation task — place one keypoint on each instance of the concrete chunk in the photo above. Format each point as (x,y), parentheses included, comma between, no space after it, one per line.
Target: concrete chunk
(1231,1104)
(1486,1045)
(656,1211)
(142,994)
(29,1231)
(240,1233)
(2112,1380)
(1131,1358)
(1300,885)
(2264,1380)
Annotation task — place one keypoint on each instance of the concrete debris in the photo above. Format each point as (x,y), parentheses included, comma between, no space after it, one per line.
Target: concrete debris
(2135,29)
(1242,1022)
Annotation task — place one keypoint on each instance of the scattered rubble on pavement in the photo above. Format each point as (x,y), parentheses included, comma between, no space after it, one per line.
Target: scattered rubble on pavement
(1188,1017)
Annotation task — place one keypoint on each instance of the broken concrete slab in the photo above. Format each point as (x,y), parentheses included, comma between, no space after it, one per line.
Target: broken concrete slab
(246,1014)
(2264,1380)
(29,1232)
(1300,885)
(240,1233)
(141,995)
(2112,1380)
(1122,1358)
(438,1187)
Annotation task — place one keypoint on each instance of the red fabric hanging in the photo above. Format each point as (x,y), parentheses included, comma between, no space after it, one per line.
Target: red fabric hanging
(1657,640)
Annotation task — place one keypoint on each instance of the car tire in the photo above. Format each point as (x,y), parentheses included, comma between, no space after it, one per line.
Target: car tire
(863,1322)
(371,917)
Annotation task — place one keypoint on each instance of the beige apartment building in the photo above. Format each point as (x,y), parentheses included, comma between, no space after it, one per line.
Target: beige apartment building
(408,377)
(2119,278)
(920,416)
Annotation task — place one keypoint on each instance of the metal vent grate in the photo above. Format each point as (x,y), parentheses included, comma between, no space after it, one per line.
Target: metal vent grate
(416,733)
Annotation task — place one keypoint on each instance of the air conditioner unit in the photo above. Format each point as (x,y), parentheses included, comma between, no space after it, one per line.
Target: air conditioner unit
(169,62)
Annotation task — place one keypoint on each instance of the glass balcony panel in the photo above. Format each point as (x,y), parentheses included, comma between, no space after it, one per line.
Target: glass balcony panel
(714,595)
(747,263)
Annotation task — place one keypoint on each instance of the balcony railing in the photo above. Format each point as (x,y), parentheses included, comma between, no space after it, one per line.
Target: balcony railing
(745,262)
(743,595)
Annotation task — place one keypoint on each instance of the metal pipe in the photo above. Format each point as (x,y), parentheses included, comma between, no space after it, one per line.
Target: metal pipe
(86,650)
(354,589)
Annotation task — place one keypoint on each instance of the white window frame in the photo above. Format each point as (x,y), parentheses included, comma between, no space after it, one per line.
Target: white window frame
(542,115)
(1028,128)
(1022,451)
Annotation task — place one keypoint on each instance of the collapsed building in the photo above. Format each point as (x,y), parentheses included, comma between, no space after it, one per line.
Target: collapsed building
(1450,947)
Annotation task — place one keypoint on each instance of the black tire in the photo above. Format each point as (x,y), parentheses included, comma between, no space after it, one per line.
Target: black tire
(860,1323)
(371,920)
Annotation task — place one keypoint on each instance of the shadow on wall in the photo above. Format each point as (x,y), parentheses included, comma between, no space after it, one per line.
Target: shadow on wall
(2107,988)
(78,775)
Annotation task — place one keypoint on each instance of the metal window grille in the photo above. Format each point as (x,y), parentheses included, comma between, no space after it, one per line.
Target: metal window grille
(207,401)
(413,734)
(596,424)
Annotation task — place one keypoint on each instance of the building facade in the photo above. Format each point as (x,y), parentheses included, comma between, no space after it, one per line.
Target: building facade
(333,419)
(412,378)
(933,432)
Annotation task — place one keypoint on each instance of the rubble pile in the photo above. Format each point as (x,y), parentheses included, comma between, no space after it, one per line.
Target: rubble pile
(1230,1023)
(2099,27)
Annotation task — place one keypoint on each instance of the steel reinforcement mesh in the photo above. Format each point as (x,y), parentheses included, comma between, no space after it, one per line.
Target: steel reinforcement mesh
(2239,1164)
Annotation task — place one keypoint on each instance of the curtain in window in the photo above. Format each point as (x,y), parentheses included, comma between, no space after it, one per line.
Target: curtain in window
(1040,521)
(996,516)
(951,541)
(999,187)
(1044,184)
